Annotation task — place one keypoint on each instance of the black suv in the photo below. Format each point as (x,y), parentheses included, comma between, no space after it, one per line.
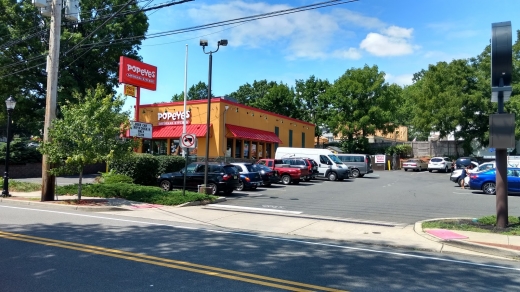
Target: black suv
(221,177)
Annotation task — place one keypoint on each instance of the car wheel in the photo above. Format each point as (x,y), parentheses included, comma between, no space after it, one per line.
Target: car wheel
(286,179)
(166,185)
(240,186)
(489,188)
(446,169)
(405,169)
(214,189)
(332,176)
(420,169)
(355,173)
(459,180)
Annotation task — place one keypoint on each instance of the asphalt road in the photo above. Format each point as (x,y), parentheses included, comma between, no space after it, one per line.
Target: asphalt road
(50,250)
(390,196)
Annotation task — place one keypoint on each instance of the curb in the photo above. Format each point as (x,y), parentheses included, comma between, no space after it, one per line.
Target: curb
(467,245)
(60,206)
(198,203)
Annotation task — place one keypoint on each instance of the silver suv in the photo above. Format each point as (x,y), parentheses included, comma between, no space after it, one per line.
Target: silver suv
(443,164)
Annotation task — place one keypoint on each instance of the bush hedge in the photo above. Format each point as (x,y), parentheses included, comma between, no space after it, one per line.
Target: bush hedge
(144,168)
(138,193)
(19,152)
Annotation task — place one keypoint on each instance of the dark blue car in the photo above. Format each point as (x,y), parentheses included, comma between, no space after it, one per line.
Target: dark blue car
(486,181)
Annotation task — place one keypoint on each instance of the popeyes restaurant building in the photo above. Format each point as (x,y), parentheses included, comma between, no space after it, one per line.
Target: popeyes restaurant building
(235,130)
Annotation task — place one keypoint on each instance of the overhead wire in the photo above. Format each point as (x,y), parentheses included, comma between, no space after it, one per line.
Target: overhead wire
(200,27)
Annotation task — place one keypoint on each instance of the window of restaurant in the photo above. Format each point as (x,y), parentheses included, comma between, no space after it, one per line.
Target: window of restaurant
(246,148)
(229,146)
(268,153)
(238,148)
(159,147)
(146,146)
(290,138)
(253,150)
(175,149)
(303,140)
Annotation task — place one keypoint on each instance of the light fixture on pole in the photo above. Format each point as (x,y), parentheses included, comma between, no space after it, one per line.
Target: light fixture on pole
(10,104)
(203,44)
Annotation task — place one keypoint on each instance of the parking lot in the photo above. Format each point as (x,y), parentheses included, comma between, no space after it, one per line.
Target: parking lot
(388,196)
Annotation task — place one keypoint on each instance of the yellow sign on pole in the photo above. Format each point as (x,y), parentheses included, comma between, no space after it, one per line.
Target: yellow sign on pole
(130,90)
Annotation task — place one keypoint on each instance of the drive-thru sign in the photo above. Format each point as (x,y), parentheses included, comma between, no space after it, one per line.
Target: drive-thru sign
(188,140)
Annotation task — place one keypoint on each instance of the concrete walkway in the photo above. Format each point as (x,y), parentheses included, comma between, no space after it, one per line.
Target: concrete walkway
(283,222)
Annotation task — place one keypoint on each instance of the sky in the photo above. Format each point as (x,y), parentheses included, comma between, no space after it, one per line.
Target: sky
(400,37)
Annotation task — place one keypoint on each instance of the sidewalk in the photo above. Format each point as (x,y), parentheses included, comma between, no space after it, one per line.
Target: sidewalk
(291,223)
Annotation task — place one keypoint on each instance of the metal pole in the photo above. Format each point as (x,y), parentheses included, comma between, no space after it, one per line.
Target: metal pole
(207,122)
(48,182)
(5,191)
(501,176)
(185,150)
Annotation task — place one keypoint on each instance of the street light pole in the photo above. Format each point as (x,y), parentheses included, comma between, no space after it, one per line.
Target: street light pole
(203,44)
(10,104)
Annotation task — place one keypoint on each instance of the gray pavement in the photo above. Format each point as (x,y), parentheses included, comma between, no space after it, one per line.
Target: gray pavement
(410,236)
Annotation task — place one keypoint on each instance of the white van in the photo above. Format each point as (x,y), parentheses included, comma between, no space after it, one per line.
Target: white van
(329,165)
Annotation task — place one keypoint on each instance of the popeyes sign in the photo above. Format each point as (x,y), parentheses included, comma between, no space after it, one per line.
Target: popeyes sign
(175,118)
(137,73)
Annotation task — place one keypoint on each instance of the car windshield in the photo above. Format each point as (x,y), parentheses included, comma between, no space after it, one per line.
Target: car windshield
(436,160)
(335,159)
(250,167)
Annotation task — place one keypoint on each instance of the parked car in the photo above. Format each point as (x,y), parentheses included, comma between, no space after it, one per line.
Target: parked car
(360,164)
(221,177)
(456,175)
(462,162)
(268,175)
(486,181)
(250,179)
(415,165)
(287,174)
(440,164)
(302,163)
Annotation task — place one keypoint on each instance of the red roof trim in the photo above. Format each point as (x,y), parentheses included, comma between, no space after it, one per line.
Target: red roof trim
(165,132)
(253,134)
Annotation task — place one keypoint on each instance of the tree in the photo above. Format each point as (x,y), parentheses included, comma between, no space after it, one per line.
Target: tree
(452,98)
(361,102)
(249,94)
(311,94)
(84,62)
(88,133)
(196,92)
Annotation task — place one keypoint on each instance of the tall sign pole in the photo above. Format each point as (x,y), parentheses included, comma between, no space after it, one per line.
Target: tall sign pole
(48,181)
(186,150)
(501,125)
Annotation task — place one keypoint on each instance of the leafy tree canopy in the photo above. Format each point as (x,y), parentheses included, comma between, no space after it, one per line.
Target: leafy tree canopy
(196,92)
(88,133)
(84,62)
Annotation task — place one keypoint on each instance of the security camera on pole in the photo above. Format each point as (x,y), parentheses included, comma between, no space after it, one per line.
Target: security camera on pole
(501,125)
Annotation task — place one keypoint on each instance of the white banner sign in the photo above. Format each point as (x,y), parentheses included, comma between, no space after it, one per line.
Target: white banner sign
(141,130)
(380,159)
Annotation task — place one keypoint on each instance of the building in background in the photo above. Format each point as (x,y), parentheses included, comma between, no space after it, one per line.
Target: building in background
(236,130)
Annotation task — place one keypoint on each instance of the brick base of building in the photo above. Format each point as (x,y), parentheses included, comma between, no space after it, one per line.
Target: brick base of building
(31,170)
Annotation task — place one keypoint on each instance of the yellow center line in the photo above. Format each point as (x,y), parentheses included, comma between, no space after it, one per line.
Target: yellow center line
(181,265)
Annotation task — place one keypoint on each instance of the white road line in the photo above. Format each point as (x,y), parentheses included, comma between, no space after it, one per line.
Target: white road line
(278,238)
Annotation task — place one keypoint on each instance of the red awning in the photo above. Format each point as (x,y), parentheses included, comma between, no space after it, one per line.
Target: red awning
(253,134)
(165,132)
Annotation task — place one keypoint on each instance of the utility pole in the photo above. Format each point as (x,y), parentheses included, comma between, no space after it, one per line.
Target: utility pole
(48,181)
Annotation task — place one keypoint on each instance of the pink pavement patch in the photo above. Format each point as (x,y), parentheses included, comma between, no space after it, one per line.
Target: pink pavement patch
(445,234)
(145,206)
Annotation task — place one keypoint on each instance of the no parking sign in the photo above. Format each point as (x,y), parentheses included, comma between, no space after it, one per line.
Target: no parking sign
(188,140)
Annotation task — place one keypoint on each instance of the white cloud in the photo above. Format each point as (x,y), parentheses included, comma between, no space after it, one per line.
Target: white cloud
(308,34)
(405,79)
(350,53)
(392,41)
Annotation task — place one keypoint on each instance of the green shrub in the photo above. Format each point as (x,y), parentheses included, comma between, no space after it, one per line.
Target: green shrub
(492,220)
(19,152)
(142,168)
(132,192)
(169,163)
(112,177)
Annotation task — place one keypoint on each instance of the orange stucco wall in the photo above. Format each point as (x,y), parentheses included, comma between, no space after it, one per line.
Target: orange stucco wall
(236,114)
